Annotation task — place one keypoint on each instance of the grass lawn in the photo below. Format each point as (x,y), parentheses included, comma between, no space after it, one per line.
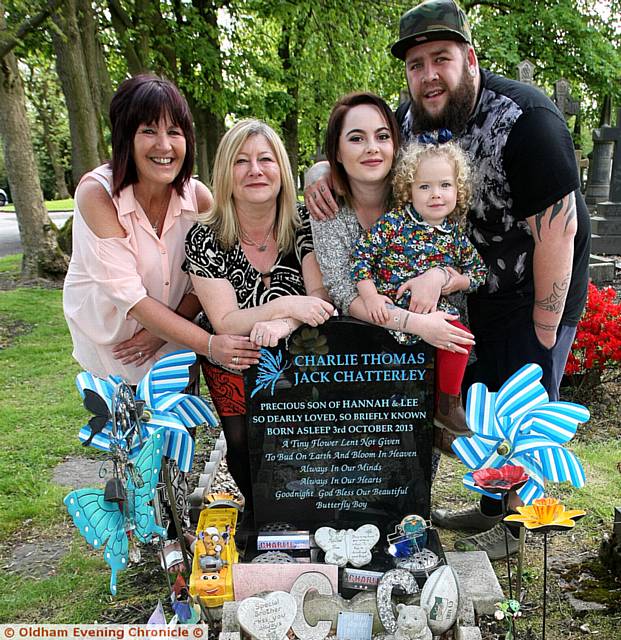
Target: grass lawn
(50,205)
(40,415)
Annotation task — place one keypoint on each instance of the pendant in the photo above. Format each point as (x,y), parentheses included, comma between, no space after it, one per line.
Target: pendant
(262,248)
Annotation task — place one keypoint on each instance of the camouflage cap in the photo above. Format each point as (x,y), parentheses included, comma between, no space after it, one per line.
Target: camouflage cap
(431,20)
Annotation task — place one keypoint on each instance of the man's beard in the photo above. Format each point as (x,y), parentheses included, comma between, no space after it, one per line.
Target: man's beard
(455,113)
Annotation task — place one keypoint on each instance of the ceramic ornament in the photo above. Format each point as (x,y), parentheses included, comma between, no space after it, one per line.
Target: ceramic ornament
(440,598)
(348,546)
(268,618)
(412,623)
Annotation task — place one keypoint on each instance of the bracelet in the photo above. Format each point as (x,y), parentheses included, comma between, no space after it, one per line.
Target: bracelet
(289,327)
(447,275)
(209,354)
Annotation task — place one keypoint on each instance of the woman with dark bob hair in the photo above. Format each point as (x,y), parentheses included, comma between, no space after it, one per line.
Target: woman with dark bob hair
(126,299)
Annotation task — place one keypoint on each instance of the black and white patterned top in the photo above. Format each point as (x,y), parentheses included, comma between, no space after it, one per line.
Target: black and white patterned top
(205,257)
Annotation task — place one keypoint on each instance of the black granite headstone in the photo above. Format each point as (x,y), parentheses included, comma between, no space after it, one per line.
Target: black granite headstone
(340,427)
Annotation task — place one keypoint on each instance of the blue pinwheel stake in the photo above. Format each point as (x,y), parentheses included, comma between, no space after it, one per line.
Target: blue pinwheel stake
(102,522)
(163,405)
(518,425)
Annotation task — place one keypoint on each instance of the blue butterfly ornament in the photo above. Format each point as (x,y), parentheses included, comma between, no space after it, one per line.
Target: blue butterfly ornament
(103,522)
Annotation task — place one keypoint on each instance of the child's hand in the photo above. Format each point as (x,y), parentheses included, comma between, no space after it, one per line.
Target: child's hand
(376,308)
(456,282)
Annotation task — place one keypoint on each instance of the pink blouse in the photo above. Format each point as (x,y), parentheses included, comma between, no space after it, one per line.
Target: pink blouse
(108,276)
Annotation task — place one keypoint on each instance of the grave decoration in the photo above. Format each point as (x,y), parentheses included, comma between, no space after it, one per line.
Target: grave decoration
(518,425)
(160,402)
(440,598)
(542,516)
(518,446)
(215,554)
(102,521)
(408,545)
(412,623)
(348,546)
(340,429)
(500,482)
(137,432)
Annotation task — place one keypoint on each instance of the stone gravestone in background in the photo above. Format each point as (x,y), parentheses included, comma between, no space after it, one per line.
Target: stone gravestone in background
(606,225)
(526,72)
(600,167)
(340,428)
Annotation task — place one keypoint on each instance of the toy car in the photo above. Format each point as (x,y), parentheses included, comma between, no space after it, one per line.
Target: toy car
(214,555)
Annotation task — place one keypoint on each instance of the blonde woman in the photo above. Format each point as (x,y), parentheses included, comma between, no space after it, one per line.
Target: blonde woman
(253,267)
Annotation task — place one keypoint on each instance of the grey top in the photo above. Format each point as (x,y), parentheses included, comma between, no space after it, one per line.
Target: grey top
(333,241)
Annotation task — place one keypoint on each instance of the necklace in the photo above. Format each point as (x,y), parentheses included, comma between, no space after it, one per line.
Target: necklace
(162,211)
(260,246)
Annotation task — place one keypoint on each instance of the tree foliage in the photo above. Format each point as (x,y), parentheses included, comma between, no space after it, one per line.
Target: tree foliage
(285,61)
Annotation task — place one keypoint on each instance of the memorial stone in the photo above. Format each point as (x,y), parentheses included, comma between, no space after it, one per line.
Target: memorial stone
(563,100)
(267,618)
(526,72)
(340,428)
(600,175)
(606,225)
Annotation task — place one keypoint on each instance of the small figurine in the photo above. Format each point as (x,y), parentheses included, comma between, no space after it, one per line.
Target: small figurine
(412,623)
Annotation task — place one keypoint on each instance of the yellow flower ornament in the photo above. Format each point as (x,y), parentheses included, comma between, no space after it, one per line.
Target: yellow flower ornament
(546,514)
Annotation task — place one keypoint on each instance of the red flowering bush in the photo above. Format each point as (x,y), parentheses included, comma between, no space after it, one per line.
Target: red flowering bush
(597,346)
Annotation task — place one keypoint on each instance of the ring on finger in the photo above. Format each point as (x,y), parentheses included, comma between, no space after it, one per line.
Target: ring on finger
(259,336)
(449,345)
(235,360)
(140,354)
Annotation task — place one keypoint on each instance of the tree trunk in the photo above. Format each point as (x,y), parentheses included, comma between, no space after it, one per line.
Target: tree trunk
(41,254)
(73,72)
(290,122)
(54,155)
(101,86)
(135,43)
(209,129)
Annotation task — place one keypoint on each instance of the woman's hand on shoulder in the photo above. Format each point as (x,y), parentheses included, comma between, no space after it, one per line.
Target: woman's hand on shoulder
(140,348)
(204,199)
(235,352)
(98,211)
(309,309)
(436,329)
(424,291)
(318,196)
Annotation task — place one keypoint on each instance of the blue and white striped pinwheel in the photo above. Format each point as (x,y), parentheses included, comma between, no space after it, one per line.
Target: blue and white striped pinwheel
(518,425)
(164,404)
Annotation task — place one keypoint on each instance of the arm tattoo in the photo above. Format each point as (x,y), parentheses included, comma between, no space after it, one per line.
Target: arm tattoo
(556,300)
(566,206)
(545,327)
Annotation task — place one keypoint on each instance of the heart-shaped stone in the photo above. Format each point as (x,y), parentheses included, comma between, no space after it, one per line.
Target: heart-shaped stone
(267,618)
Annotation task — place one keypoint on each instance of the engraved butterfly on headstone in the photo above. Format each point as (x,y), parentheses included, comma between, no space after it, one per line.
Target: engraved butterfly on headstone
(346,545)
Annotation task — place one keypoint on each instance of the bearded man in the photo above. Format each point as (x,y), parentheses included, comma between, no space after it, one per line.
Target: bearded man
(528,220)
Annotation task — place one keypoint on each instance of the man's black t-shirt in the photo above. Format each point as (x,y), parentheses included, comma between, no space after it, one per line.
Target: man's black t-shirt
(523,161)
